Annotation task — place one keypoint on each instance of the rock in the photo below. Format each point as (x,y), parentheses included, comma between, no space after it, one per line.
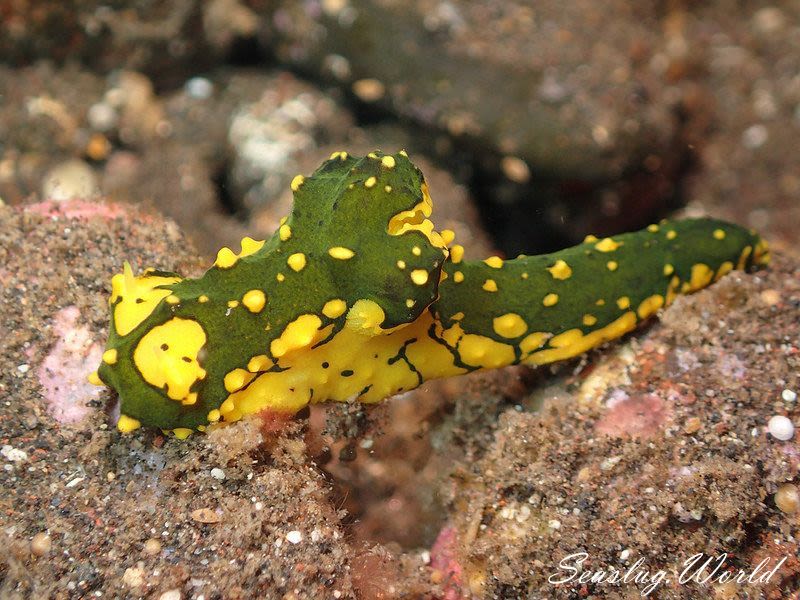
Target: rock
(525,82)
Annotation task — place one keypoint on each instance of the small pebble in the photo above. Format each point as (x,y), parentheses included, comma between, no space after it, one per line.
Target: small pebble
(692,425)
(199,88)
(152,547)
(787,498)
(515,169)
(70,179)
(174,594)
(218,473)
(41,544)
(205,515)
(369,90)
(781,428)
(294,537)
(788,395)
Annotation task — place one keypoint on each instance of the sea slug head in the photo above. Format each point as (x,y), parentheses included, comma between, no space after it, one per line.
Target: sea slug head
(152,358)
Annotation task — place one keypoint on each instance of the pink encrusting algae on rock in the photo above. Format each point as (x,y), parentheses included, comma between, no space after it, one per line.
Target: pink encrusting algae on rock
(63,373)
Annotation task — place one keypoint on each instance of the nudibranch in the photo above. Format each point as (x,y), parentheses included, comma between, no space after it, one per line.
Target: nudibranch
(358,297)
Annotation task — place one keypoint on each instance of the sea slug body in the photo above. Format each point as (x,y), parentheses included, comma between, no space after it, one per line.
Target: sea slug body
(358,296)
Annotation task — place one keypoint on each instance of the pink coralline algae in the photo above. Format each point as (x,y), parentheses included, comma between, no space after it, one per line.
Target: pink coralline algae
(641,415)
(64,370)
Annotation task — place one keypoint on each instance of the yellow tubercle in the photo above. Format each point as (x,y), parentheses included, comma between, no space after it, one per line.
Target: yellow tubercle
(607,245)
(560,270)
(456,253)
(419,276)
(284,232)
(365,317)
(94,379)
(334,308)
(550,300)
(110,356)
(254,300)
(126,424)
(509,325)
(226,258)
(494,262)
(297,261)
(490,285)
(341,253)
(300,333)
(297,182)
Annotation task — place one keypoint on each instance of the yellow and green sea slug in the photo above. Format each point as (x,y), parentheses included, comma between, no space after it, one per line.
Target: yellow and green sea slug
(358,297)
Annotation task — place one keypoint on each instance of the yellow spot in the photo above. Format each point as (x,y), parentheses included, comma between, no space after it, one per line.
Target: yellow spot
(723,270)
(719,234)
(94,379)
(612,265)
(225,258)
(214,415)
(623,302)
(652,228)
(457,253)
(250,246)
(285,232)
(190,399)
(416,219)
(410,303)
(589,239)
(701,277)
(370,182)
(297,262)
(650,305)
(672,234)
(416,251)
(509,325)
(258,363)
(401,264)
(419,276)
(233,303)
(300,333)
(182,433)
(524,275)
(448,235)
(388,162)
(340,253)
(489,285)
(135,298)
(372,155)
(458,277)
(550,300)
(280,277)
(110,356)
(589,320)
(387,189)
(480,351)
(566,338)
(561,270)
(458,316)
(127,424)
(334,308)
(202,299)
(600,302)
(283,220)
(573,342)
(607,245)
(339,155)
(167,356)
(172,299)
(366,317)
(237,379)
(254,300)
(534,341)
(297,182)
(668,270)
(743,258)
(494,261)
(403,153)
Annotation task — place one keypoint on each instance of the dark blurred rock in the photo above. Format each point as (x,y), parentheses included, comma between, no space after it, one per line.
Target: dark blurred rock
(529,83)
